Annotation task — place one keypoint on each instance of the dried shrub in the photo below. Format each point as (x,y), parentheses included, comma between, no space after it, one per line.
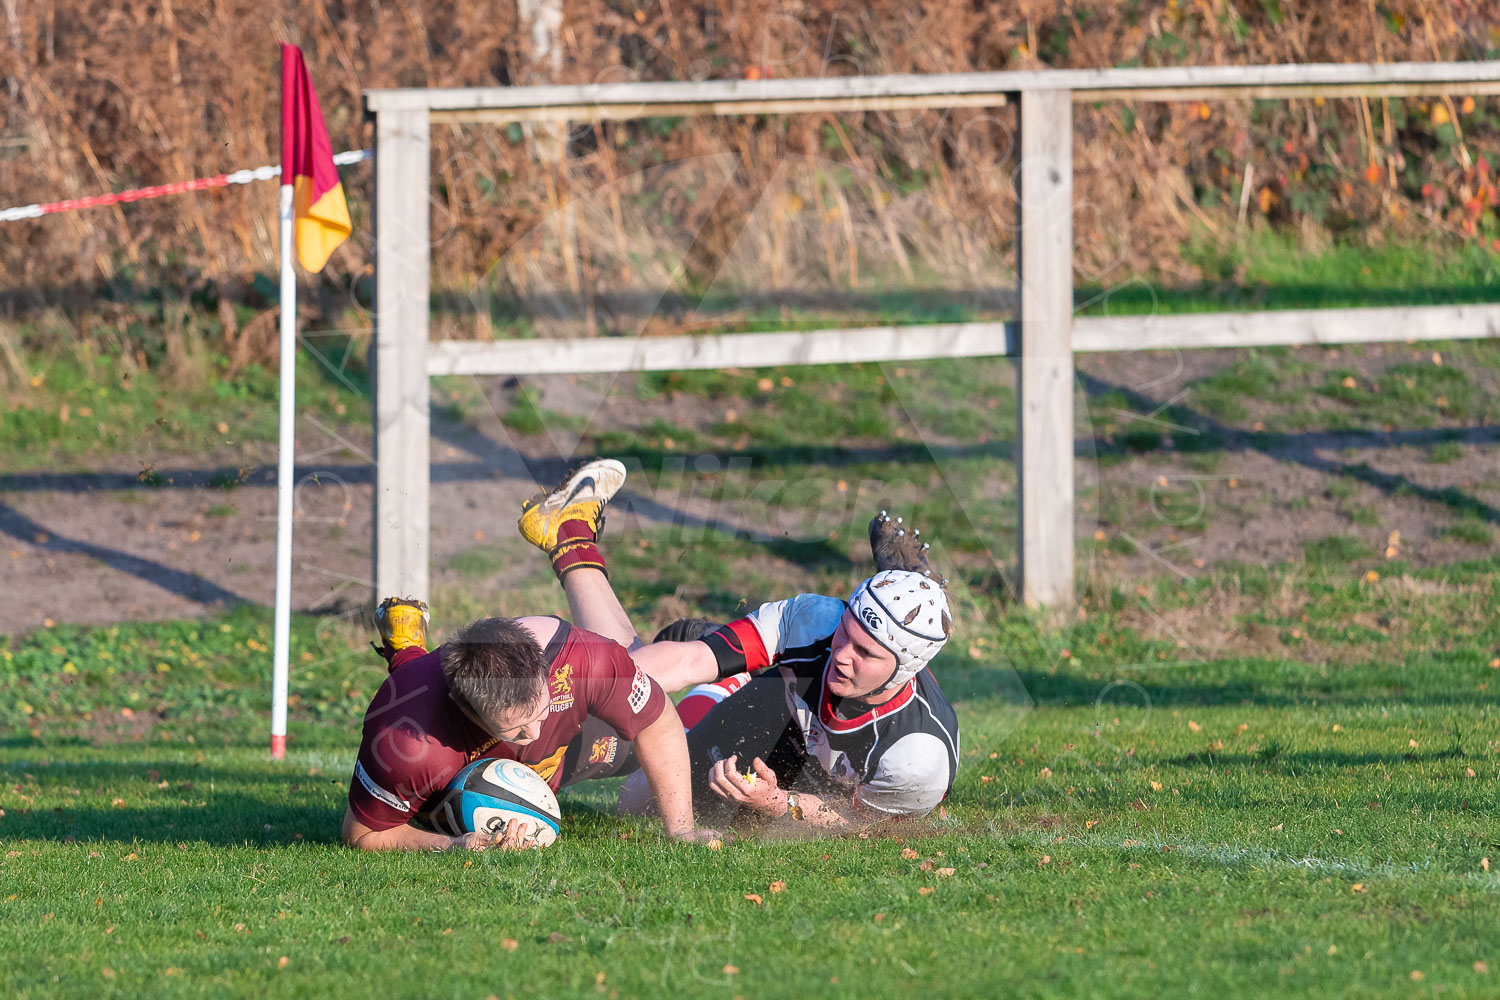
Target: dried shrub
(104,94)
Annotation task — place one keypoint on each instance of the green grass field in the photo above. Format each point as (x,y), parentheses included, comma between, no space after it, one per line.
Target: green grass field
(1262,780)
(1137,814)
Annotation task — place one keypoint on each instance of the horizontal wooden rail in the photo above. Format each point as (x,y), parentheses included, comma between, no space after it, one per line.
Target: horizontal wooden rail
(1171,83)
(1286,328)
(725,350)
(1283,91)
(1289,327)
(627,112)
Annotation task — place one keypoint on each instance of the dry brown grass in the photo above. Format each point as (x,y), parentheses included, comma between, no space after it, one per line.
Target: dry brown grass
(104,94)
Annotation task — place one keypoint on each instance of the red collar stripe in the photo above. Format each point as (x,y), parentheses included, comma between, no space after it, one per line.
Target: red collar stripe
(834,723)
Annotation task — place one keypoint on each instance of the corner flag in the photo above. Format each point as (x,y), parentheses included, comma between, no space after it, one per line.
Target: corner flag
(321,216)
(314,221)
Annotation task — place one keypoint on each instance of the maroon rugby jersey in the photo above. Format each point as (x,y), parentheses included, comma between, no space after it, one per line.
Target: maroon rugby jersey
(416,738)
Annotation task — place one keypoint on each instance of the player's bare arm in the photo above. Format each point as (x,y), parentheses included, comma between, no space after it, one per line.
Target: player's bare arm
(412,838)
(662,751)
(677,665)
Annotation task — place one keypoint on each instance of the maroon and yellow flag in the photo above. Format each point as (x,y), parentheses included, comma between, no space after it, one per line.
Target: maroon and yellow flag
(320,214)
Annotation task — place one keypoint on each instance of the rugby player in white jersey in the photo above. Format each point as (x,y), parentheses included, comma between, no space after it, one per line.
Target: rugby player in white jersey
(813,708)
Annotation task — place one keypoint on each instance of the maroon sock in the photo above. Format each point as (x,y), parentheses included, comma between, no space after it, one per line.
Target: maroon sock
(404,656)
(576,546)
(396,657)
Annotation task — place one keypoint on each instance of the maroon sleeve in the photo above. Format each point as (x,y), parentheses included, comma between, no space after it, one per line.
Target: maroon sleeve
(617,691)
(397,768)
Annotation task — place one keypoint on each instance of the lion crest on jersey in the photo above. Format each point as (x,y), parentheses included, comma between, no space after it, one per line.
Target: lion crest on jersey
(603,750)
(561,685)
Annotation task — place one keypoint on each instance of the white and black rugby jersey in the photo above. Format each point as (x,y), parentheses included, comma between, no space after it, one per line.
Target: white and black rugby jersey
(899,757)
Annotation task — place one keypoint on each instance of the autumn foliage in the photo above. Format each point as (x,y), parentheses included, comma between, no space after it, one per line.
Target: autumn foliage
(105,95)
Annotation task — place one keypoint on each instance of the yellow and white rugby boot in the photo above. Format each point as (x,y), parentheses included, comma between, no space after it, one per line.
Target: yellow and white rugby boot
(402,624)
(565,522)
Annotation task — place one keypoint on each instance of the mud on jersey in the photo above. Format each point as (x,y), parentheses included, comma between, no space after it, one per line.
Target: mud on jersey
(898,758)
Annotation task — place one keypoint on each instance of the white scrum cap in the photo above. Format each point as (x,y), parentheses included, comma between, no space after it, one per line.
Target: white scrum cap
(906,613)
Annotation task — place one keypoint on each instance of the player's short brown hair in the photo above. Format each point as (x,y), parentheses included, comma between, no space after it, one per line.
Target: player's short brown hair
(494,665)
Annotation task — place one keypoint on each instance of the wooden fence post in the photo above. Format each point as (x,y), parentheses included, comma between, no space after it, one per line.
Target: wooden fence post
(400,406)
(1045,397)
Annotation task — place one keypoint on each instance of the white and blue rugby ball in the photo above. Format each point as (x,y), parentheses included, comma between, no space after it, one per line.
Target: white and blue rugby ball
(487,794)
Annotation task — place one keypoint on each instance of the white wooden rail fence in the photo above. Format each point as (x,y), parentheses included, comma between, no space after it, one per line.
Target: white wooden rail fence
(1044,337)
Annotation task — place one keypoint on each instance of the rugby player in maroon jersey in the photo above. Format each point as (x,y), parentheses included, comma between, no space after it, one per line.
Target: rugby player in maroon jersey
(567,702)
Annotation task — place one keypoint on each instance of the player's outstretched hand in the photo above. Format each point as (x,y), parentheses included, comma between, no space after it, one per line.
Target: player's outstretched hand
(517,837)
(757,789)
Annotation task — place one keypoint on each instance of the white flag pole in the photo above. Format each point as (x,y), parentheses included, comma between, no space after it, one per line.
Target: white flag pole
(286,447)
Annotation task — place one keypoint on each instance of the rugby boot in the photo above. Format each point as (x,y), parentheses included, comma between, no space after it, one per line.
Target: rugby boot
(402,624)
(686,630)
(566,521)
(896,547)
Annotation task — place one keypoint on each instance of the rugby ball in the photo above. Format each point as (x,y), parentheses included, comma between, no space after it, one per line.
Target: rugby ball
(487,794)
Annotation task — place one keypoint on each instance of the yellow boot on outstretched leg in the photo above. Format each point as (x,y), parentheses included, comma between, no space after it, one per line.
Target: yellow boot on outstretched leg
(565,522)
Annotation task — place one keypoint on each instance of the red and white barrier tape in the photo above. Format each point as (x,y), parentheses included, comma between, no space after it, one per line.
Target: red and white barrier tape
(160,190)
